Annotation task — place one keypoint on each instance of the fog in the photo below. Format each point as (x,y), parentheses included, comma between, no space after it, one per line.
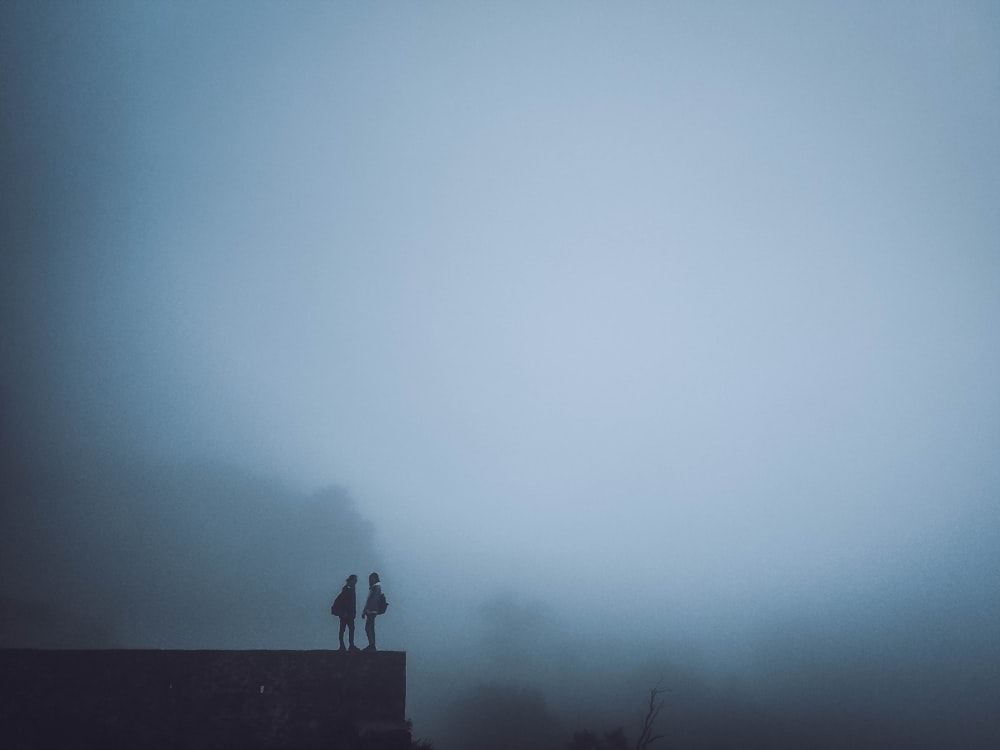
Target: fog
(634,344)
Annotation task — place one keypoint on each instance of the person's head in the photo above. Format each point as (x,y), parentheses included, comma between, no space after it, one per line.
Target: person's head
(352,579)
(373,579)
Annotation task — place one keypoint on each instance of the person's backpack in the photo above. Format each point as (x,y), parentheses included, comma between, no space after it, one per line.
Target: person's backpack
(337,608)
(383,604)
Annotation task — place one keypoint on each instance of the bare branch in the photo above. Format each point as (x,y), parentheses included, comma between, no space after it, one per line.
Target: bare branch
(646,736)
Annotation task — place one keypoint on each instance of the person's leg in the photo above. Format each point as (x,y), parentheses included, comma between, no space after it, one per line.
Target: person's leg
(370,631)
(343,626)
(350,631)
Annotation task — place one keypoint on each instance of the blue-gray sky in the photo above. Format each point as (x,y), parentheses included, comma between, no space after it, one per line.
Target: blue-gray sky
(570,296)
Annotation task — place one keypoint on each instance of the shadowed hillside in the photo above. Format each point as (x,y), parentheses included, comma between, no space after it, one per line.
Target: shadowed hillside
(134,554)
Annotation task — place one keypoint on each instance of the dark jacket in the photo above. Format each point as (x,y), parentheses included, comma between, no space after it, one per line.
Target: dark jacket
(348,602)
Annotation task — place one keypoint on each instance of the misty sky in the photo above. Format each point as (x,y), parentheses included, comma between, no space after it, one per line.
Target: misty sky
(695,305)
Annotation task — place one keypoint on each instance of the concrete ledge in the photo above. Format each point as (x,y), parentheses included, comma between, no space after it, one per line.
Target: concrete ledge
(203,699)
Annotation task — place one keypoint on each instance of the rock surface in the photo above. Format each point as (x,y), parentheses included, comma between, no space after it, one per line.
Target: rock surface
(203,699)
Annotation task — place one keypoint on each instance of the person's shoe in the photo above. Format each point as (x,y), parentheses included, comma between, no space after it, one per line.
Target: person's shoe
(353,648)
(342,648)
(369,648)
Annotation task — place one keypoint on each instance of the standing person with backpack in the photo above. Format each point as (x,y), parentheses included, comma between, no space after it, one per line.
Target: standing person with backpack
(345,606)
(374,605)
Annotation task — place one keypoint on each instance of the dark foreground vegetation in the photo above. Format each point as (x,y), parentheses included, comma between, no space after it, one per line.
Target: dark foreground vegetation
(496,717)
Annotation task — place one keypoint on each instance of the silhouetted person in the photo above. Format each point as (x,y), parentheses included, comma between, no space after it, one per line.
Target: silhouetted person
(373,607)
(345,606)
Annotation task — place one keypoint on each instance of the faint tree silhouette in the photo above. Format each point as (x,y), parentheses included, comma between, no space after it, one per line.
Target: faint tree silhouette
(616,740)
(646,736)
(587,740)
(502,716)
